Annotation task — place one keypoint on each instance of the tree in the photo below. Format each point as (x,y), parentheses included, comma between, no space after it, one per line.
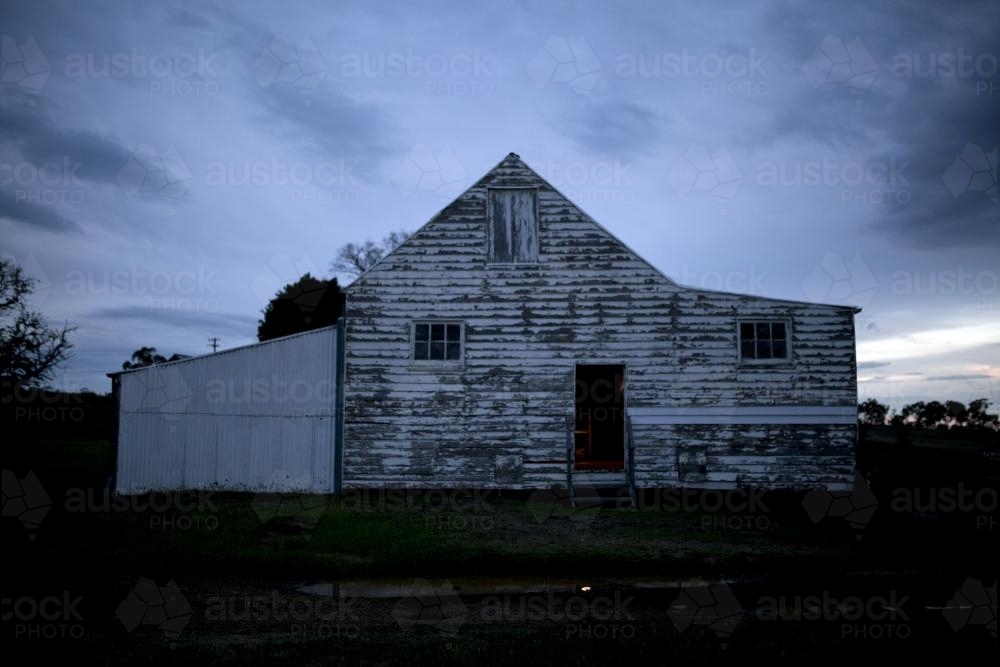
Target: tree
(309,303)
(933,413)
(872,413)
(353,259)
(979,416)
(958,414)
(30,350)
(147,356)
(911,413)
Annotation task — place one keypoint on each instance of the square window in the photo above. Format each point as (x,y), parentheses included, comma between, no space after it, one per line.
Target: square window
(763,340)
(440,341)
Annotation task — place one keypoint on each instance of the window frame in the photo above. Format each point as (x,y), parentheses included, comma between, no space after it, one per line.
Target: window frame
(769,361)
(431,321)
(488,217)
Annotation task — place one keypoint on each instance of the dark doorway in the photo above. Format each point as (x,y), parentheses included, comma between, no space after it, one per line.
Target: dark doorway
(600,417)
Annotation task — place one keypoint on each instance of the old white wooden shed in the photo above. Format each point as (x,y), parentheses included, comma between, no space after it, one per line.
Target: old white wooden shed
(511,342)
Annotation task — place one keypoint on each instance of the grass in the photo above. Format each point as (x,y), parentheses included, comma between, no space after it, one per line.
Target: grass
(234,547)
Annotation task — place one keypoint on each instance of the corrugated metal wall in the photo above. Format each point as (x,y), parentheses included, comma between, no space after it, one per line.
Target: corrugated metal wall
(256,418)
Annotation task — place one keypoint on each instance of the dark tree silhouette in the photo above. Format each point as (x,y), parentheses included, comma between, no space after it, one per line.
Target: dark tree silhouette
(30,350)
(911,413)
(979,415)
(933,414)
(353,259)
(310,303)
(147,356)
(872,413)
(958,414)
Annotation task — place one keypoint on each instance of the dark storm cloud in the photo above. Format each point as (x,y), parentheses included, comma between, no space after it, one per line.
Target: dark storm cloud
(326,124)
(931,141)
(36,139)
(14,208)
(916,115)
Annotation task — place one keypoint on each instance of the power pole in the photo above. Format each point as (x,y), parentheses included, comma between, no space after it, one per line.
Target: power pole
(214,343)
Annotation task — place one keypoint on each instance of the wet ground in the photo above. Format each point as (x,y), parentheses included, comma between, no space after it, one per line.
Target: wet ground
(501,583)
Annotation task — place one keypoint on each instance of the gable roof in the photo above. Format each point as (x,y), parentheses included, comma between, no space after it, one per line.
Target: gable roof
(513,160)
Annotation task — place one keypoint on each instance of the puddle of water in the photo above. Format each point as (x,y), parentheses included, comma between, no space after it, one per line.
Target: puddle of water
(400,587)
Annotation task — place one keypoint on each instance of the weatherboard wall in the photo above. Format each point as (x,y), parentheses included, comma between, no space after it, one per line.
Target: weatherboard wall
(257,418)
(500,417)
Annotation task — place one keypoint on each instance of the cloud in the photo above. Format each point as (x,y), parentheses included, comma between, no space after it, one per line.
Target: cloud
(626,128)
(227,323)
(931,343)
(185,19)
(37,139)
(332,124)
(34,214)
(925,119)
(865,365)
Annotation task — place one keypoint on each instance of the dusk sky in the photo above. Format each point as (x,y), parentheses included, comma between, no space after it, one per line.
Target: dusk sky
(167,166)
